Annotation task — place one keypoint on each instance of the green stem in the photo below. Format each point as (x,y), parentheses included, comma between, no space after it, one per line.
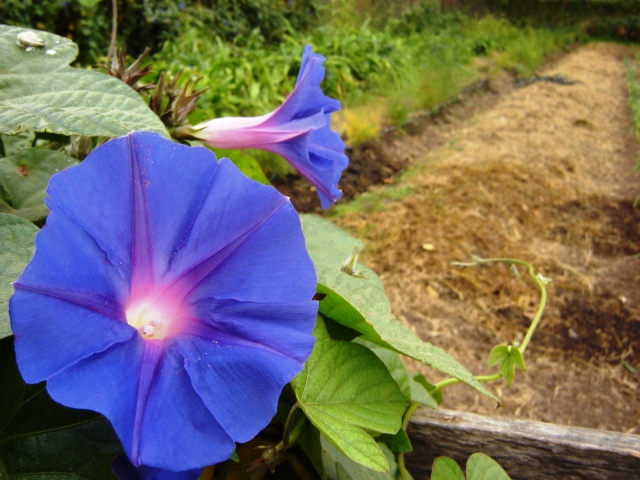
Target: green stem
(452,381)
(288,424)
(404,474)
(539,282)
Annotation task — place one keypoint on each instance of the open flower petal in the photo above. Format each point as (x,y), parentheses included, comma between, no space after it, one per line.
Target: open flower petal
(319,157)
(53,334)
(263,325)
(167,431)
(307,98)
(127,297)
(226,367)
(267,246)
(124,470)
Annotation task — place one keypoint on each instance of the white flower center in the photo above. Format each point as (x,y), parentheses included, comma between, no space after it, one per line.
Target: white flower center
(150,321)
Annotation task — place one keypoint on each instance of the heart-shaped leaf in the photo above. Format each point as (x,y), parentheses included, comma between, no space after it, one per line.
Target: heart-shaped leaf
(483,467)
(12,144)
(40,91)
(507,358)
(445,468)
(360,302)
(16,249)
(339,467)
(346,392)
(24,178)
(331,464)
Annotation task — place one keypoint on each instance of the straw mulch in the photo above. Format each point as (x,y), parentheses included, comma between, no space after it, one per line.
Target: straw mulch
(544,175)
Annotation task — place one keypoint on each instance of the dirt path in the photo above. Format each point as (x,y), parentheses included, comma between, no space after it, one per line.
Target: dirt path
(546,175)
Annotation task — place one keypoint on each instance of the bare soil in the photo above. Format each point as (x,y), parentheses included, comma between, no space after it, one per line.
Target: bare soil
(545,174)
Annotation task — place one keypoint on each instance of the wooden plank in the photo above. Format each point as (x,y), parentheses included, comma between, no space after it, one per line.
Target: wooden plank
(526,450)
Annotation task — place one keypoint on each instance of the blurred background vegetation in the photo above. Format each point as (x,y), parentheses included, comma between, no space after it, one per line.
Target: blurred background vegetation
(386,59)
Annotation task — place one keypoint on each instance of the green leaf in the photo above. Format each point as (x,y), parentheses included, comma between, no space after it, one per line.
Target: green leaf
(24,178)
(12,144)
(250,167)
(445,468)
(483,467)
(339,467)
(421,391)
(337,331)
(507,359)
(16,249)
(333,465)
(40,439)
(346,392)
(40,91)
(393,363)
(362,304)
(398,443)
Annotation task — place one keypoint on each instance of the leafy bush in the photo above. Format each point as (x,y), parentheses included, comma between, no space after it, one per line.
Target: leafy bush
(150,23)
(625,28)
(415,62)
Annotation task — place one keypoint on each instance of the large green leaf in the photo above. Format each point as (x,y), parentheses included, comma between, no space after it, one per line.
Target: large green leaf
(445,468)
(393,363)
(339,467)
(42,440)
(24,178)
(331,464)
(346,392)
(483,467)
(12,144)
(16,249)
(40,91)
(360,302)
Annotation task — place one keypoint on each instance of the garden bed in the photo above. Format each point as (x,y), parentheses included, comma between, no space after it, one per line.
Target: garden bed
(543,173)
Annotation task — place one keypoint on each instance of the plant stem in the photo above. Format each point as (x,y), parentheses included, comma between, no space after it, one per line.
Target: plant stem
(114,31)
(288,424)
(405,421)
(452,381)
(539,282)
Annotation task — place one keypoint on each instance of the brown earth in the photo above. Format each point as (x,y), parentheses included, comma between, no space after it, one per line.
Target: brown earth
(545,174)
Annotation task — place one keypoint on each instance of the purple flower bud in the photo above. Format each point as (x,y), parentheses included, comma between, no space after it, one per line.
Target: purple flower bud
(299,130)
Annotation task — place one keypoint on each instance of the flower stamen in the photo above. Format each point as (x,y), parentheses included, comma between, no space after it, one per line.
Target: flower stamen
(151,321)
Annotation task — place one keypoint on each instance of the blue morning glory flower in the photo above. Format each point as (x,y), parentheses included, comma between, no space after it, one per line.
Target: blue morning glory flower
(299,130)
(122,468)
(171,294)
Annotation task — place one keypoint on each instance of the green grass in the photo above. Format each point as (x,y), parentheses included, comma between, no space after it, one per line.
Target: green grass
(374,200)
(634,100)
(401,67)
(415,70)
(634,91)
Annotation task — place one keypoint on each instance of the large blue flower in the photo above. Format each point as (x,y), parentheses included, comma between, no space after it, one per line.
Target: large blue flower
(299,130)
(169,293)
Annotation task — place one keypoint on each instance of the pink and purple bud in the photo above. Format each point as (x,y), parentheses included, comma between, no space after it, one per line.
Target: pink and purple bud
(299,130)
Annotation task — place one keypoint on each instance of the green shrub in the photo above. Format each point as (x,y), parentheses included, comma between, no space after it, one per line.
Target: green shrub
(149,23)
